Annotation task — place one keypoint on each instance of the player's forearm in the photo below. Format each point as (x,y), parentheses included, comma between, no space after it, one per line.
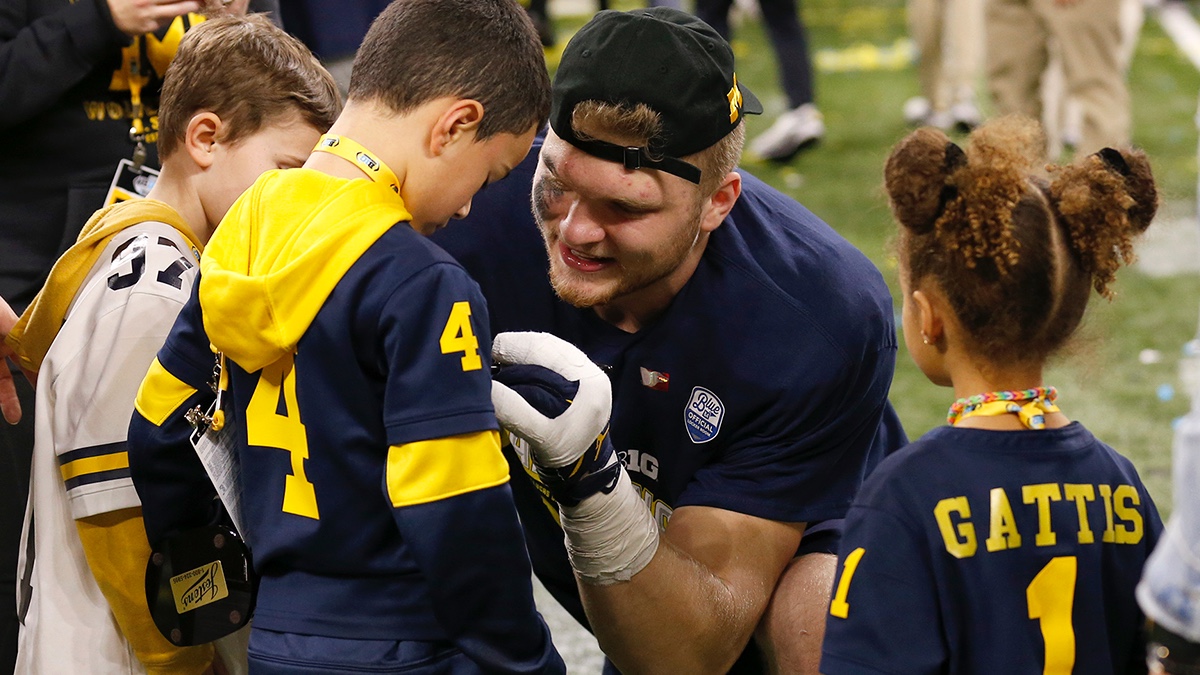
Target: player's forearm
(793,627)
(674,616)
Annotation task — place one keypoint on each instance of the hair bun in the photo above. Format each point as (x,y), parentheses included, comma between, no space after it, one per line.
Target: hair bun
(1139,182)
(917,177)
(1105,200)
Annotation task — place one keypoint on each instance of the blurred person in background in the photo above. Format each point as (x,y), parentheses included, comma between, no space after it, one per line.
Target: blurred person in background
(1169,592)
(1087,35)
(801,125)
(333,29)
(949,39)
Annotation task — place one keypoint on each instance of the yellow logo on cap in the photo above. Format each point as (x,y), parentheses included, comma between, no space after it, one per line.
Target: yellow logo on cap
(735,101)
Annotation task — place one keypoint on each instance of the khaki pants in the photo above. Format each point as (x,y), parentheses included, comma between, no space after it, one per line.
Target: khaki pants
(949,40)
(1088,36)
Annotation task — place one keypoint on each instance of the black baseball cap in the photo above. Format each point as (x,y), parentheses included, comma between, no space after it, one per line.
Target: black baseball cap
(666,59)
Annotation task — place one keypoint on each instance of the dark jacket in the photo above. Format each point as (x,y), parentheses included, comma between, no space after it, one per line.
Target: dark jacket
(65,116)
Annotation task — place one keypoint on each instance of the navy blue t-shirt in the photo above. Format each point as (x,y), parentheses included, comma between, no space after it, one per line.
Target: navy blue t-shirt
(975,551)
(778,355)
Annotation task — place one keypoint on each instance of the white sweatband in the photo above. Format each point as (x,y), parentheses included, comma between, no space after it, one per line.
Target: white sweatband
(610,537)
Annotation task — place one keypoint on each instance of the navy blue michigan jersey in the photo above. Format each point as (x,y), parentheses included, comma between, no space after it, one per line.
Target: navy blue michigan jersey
(762,389)
(347,461)
(975,551)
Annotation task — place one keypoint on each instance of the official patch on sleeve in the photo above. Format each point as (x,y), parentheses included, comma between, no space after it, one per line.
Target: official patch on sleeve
(703,415)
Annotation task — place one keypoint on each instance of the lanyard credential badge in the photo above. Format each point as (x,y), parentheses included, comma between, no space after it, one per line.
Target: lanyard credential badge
(130,182)
(200,584)
(133,179)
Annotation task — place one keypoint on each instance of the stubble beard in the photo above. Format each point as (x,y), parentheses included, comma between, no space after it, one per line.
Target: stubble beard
(629,275)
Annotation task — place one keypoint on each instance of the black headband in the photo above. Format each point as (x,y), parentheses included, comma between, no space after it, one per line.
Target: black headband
(637,158)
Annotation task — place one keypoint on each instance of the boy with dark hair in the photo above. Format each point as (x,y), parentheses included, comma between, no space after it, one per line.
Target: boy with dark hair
(241,97)
(356,355)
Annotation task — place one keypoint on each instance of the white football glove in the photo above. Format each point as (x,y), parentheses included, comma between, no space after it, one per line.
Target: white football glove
(555,441)
(562,411)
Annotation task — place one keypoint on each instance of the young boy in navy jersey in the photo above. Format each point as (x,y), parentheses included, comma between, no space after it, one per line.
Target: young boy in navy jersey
(750,350)
(1011,540)
(241,96)
(357,358)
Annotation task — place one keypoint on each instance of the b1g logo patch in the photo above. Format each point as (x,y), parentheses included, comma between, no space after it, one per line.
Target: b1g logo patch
(703,415)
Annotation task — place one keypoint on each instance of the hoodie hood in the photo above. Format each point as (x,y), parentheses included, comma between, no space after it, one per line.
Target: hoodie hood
(278,254)
(31,337)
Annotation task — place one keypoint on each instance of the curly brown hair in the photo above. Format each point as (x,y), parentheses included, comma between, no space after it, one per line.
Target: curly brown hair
(1014,250)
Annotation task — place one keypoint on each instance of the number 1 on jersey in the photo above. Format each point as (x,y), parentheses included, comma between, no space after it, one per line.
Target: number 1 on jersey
(457,336)
(267,427)
(839,607)
(1051,598)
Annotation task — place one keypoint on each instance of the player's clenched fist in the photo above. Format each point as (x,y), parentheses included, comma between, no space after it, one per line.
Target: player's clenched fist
(135,17)
(549,394)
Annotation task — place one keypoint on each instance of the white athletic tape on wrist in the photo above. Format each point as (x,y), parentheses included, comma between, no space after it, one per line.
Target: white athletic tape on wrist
(610,537)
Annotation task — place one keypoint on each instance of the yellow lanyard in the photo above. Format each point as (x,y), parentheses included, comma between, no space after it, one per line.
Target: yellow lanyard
(139,125)
(352,151)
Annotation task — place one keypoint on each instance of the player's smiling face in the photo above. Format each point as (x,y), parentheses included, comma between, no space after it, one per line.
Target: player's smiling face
(615,235)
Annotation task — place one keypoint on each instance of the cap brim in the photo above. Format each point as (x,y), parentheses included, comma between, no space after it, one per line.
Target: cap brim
(750,102)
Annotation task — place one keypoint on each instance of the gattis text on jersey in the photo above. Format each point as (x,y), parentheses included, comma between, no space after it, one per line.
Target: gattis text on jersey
(703,415)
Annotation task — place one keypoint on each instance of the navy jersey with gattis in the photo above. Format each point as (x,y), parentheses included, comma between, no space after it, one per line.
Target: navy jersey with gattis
(371,371)
(762,389)
(994,552)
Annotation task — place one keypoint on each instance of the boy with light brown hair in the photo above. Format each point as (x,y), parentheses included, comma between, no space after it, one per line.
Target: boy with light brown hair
(241,97)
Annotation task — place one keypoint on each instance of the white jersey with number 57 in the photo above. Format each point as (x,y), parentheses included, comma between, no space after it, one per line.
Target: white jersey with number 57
(86,387)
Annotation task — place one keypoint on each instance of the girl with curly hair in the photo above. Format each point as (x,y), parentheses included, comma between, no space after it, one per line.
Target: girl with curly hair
(1010,540)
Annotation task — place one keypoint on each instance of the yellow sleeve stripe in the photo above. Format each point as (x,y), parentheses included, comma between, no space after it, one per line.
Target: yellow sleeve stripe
(80,467)
(426,471)
(161,394)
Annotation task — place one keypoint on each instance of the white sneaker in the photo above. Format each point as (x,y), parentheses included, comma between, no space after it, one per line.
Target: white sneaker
(917,111)
(966,116)
(792,131)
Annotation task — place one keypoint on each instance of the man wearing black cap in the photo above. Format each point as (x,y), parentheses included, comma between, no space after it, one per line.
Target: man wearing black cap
(747,349)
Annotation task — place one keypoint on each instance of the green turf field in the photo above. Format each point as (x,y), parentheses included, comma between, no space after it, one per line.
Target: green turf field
(864,76)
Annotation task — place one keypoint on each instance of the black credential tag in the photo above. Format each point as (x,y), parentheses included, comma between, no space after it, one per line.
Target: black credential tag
(200,585)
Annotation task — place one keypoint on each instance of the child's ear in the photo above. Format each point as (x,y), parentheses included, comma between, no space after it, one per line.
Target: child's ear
(459,121)
(200,137)
(930,310)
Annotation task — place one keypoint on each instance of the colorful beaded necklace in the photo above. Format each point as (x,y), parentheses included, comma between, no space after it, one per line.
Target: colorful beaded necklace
(1031,414)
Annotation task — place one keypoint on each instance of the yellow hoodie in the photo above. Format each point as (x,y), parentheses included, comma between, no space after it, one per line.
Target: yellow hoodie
(280,251)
